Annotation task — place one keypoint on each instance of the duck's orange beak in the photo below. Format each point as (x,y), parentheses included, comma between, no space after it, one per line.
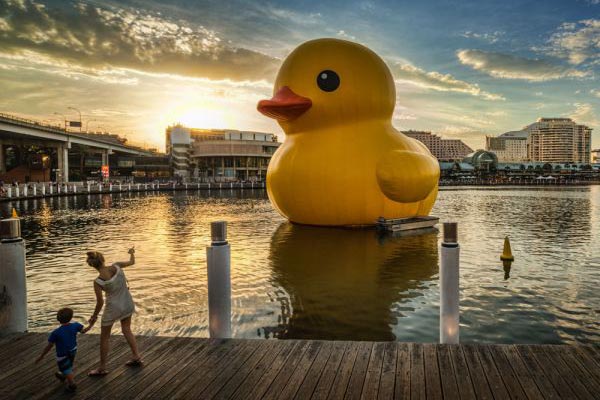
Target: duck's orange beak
(285,105)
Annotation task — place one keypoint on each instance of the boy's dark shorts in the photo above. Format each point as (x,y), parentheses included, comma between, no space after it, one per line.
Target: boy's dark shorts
(65,364)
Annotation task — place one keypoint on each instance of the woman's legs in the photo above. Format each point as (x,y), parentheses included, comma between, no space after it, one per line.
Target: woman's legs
(104,345)
(126,329)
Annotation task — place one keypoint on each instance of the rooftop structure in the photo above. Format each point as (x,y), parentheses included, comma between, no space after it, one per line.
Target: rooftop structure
(442,149)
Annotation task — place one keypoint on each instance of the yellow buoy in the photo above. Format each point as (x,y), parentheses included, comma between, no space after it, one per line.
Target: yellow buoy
(507,253)
(14,213)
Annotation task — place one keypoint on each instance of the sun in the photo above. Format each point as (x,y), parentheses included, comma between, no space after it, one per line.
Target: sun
(201,116)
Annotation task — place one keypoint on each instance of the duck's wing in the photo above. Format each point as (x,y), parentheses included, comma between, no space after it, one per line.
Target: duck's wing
(407,176)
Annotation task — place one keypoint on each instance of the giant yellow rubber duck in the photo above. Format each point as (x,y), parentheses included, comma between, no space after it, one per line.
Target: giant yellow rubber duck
(342,162)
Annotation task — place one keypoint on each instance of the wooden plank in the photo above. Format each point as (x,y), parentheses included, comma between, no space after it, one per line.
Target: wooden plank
(522,373)
(285,373)
(265,348)
(491,373)
(507,374)
(197,384)
(388,372)
(330,371)
(307,387)
(433,383)
(578,367)
(480,383)
(373,377)
(561,376)
(21,348)
(359,371)
(183,382)
(258,381)
(538,376)
(402,387)
(417,372)
(95,387)
(586,360)
(250,347)
(466,389)
(301,371)
(153,374)
(447,375)
(338,389)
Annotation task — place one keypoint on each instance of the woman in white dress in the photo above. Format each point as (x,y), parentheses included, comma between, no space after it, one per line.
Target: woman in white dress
(119,306)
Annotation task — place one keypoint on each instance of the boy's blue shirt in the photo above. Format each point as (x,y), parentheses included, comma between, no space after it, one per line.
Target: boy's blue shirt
(65,338)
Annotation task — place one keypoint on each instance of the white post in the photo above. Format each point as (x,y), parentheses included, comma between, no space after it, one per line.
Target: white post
(186,186)
(218,260)
(129,187)
(25,190)
(110,187)
(99,187)
(449,285)
(74,189)
(13,284)
(17,191)
(9,192)
(198,185)
(208,185)
(88,187)
(35,190)
(174,185)
(138,187)
(51,188)
(58,185)
(43,189)
(120,187)
(231,185)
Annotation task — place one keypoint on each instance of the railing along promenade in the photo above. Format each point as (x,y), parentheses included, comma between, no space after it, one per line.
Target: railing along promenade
(40,190)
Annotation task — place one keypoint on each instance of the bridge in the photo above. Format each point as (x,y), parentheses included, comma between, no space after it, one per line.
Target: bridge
(34,146)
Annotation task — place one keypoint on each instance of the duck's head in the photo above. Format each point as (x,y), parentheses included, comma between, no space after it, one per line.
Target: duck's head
(325,82)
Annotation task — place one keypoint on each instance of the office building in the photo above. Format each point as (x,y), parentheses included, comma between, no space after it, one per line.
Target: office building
(509,147)
(442,149)
(559,140)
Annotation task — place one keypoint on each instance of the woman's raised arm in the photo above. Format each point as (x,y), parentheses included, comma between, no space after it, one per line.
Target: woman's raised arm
(131,261)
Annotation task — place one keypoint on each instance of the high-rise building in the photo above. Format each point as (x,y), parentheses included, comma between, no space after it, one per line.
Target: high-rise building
(443,149)
(509,147)
(219,154)
(559,140)
(596,156)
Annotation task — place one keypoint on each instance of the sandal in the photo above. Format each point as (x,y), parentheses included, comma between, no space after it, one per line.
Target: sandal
(97,372)
(60,376)
(134,363)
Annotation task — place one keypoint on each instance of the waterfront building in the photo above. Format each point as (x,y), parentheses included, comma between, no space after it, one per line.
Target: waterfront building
(596,156)
(442,149)
(482,160)
(559,140)
(509,147)
(219,154)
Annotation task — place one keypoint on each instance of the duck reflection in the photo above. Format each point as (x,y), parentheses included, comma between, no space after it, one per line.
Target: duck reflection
(343,283)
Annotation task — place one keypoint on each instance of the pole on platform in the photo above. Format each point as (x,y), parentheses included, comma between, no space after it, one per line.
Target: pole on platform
(110,187)
(51,188)
(218,259)
(35,190)
(13,285)
(88,187)
(43,189)
(74,188)
(17,191)
(9,192)
(25,191)
(449,285)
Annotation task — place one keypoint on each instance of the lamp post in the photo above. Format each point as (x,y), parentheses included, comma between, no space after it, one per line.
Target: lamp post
(64,117)
(87,124)
(75,109)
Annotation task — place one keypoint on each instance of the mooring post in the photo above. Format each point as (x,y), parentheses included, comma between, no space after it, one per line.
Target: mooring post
(449,285)
(43,189)
(34,190)
(9,192)
(17,191)
(13,285)
(218,260)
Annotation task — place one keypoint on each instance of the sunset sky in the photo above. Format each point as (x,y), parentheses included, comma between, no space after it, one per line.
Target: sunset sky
(463,69)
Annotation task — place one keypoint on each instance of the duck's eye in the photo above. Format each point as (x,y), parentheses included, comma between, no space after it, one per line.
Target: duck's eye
(328,80)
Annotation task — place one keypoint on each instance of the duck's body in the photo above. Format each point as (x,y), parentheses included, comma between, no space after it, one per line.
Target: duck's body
(343,163)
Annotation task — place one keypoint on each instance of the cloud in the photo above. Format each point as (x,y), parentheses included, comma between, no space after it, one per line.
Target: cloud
(576,42)
(595,92)
(583,113)
(87,36)
(507,66)
(490,37)
(439,82)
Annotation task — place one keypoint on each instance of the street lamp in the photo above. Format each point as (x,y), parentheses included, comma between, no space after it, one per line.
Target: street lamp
(75,109)
(64,117)
(87,124)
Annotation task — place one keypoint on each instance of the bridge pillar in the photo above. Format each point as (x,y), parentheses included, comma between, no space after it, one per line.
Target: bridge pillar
(63,164)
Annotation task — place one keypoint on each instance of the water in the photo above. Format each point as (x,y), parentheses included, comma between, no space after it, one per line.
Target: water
(292,281)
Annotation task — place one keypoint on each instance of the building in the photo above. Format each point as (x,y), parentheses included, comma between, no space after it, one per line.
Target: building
(596,156)
(559,140)
(482,160)
(442,149)
(509,147)
(219,155)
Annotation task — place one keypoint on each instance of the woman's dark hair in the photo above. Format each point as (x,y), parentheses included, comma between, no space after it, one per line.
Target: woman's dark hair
(95,259)
(64,315)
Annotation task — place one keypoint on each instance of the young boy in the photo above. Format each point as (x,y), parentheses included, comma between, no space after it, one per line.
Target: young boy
(65,339)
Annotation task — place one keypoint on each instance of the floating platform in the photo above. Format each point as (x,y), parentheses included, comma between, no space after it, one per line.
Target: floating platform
(406,224)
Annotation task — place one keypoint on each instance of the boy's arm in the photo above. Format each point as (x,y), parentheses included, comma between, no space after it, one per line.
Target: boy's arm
(44,352)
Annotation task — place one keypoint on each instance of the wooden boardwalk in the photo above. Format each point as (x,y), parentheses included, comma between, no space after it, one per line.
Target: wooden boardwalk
(301,369)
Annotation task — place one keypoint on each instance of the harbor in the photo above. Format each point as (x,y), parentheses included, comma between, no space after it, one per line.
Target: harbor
(193,368)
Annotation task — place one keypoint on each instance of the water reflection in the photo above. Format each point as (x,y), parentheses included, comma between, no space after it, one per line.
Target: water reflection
(343,283)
